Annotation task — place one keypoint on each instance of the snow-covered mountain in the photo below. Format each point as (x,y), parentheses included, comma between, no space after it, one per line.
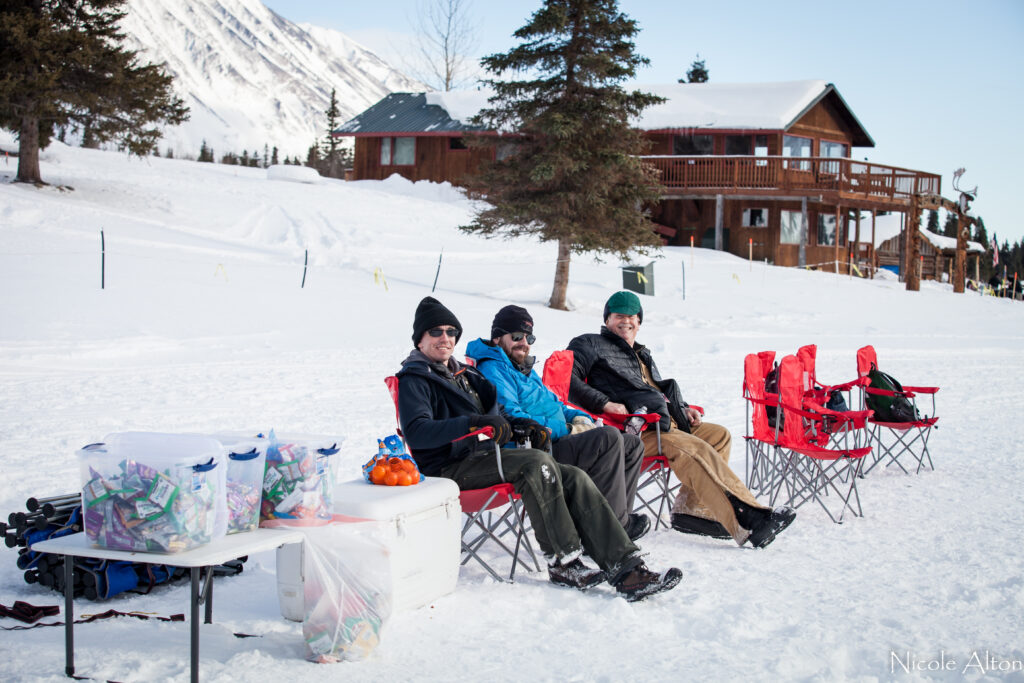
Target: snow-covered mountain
(251,77)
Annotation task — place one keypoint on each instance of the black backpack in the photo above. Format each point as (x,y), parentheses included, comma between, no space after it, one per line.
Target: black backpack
(889,408)
(771,386)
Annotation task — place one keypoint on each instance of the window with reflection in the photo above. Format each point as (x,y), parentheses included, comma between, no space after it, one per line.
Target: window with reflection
(790,227)
(795,146)
(826,230)
(397,151)
(755,218)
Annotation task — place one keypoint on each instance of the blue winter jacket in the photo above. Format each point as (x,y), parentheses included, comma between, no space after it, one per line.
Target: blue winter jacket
(522,395)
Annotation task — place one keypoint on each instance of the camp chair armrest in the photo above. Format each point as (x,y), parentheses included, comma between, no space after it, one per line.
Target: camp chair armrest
(697,408)
(921,390)
(884,392)
(845,415)
(845,386)
(768,400)
(485,432)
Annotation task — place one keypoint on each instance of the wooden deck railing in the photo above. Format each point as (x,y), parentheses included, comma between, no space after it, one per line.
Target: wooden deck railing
(800,175)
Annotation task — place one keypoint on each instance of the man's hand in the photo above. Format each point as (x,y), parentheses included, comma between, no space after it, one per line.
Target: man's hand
(615,408)
(694,415)
(525,428)
(501,427)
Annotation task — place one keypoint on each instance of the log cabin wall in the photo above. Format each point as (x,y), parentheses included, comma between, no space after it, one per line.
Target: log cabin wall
(438,159)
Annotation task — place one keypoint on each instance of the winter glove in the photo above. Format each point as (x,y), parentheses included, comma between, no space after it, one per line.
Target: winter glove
(502,430)
(524,428)
(581,424)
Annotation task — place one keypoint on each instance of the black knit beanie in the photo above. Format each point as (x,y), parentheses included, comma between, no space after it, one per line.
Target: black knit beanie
(511,319)
(430,314)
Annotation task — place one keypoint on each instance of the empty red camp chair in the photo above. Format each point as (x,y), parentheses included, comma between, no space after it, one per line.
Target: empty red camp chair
(761,436)
(831,433)
(805,470)
(892,440)
(484,519)
(655,490)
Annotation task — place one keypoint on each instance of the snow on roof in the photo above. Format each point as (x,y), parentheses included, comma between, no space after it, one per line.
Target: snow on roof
(772,106)
(461,105)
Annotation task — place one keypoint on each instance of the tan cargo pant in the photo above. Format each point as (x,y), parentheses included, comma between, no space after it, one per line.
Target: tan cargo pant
(701,462)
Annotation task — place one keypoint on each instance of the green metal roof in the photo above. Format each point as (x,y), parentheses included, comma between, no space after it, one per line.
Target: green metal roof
(403,112)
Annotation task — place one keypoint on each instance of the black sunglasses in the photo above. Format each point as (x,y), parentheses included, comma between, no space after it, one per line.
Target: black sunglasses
(452,332)
(518,336)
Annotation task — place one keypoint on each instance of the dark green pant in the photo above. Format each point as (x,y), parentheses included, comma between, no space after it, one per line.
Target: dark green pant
(566,509)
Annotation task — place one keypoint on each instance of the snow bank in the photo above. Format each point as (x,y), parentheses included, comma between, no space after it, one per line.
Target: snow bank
(295,174)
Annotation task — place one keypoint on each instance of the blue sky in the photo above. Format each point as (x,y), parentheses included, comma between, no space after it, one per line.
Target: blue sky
(937,84)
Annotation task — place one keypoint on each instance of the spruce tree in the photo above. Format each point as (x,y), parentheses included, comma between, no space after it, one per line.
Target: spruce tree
(205,153)
(62,63)
(273,157)
(949,228)
(573,174)
(697,73)
(933,221)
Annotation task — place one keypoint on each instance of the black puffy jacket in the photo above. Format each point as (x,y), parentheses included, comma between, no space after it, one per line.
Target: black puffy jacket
(434,412)
(605,368)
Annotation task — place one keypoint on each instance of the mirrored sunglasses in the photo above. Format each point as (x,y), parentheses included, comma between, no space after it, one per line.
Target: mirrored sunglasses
(452,332)
(518,336)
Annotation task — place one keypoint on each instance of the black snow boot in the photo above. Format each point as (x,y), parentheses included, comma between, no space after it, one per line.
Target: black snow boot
(575,575)
(637,526)
(690,524)
(640,582)
(765,532)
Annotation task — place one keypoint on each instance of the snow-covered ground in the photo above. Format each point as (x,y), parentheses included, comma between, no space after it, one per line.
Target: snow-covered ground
(203,326)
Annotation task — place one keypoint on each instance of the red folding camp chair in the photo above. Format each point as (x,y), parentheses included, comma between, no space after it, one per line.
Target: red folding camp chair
(485,519)
(761,436)
(655,490)
(805,471)
(892,440)
(832,433)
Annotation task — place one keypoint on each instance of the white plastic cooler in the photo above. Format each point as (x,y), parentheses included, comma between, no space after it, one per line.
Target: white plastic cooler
(423,527)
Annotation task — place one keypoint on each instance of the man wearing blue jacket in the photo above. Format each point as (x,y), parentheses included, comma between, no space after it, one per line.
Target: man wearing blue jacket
(611,458)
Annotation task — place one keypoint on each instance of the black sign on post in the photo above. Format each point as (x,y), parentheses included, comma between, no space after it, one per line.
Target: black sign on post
(639,279)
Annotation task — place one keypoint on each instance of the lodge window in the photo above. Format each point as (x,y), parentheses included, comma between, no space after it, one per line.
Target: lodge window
(761,148)
(794,146)
(737,144)
(834,150)
(755,218)
(397,151)
(693,145)
(789,227)
(457,143)
(826,230)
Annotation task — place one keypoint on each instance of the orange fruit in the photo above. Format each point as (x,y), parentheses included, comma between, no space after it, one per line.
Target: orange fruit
(378,473)
(414,477)
(395,462)
(404,479)
(408,465)
(391,479)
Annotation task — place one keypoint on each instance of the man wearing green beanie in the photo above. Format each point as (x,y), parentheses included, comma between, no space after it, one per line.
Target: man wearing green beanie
(613,373)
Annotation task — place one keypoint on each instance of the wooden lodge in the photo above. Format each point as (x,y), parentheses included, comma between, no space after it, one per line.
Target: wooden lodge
(763,170)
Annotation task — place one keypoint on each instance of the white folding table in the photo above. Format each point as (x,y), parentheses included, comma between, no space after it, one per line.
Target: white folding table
(204,557)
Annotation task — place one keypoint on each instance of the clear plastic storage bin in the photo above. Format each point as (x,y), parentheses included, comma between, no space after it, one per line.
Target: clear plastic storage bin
(150,492)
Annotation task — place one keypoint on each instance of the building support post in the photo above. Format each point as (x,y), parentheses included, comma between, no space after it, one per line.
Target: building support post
(802,259)
(835,242)
(874,244)
(912,229)
(960,260)
(856,239)
(719,220)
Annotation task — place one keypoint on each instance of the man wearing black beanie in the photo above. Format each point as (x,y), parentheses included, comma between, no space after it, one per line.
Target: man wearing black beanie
(440,401)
